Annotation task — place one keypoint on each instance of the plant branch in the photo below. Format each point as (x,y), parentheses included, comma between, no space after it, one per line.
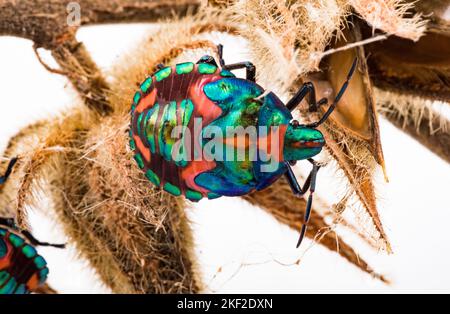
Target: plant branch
(45,22)
(83,73)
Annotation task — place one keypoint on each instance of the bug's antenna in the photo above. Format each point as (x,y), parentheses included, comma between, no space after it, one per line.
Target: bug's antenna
(8,170)
(36,242)
(338,97)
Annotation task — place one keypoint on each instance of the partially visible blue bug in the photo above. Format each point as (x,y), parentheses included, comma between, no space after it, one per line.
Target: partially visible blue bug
(22,269)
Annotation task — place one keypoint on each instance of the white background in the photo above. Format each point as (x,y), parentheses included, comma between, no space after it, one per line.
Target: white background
(252,249)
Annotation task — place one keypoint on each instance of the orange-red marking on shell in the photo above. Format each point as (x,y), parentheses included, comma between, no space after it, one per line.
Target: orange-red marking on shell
(5,261)
(147,102)
(208,111)
(192,170)
(265,142)
(142,149)
(33,282)
(204,107)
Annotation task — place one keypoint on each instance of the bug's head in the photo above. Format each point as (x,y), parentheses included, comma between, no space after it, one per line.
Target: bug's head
(302,142)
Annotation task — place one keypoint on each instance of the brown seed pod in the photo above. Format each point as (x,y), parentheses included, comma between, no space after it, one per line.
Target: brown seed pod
(356,114)
(352,133)
(419,68)
(412,75)
(434,10)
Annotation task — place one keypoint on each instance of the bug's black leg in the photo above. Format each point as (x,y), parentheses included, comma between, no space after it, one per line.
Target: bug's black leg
(36,242)
(293,182)
(8,171)
(338,97)
(160,66)
(220,53)
(312,189)
(310,184)
(306,89)
(250,69)
(8,222)
(207,59)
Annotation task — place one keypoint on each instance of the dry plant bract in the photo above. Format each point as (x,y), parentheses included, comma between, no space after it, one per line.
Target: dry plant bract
(138,238)
(412,76)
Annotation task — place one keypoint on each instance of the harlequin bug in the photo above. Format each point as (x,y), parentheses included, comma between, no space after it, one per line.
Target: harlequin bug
(178,96)
(22,269)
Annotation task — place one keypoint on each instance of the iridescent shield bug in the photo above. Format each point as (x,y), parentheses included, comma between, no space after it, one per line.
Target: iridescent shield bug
(175,97)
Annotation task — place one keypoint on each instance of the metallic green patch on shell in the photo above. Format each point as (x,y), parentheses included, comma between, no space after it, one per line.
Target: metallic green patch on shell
(231,92)
(193,195)
(2,232)
(139,160)
(139,122)
(153,177)
(226,73)
(187,108)
(170,122)
(163,73)
(9,287)
(212,196)
(40,262)
(132,145)
(160,130)
(172,189)
(146,85)
(16,241)
(29,251)
(4,275)
(137,98)
(3,248)
(43,274)
(205,68)
(277,119)
(22,289)
(185,68)
(150,123)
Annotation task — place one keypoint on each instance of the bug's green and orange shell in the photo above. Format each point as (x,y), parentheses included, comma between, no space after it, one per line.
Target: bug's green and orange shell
(22,269)
(177,96)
